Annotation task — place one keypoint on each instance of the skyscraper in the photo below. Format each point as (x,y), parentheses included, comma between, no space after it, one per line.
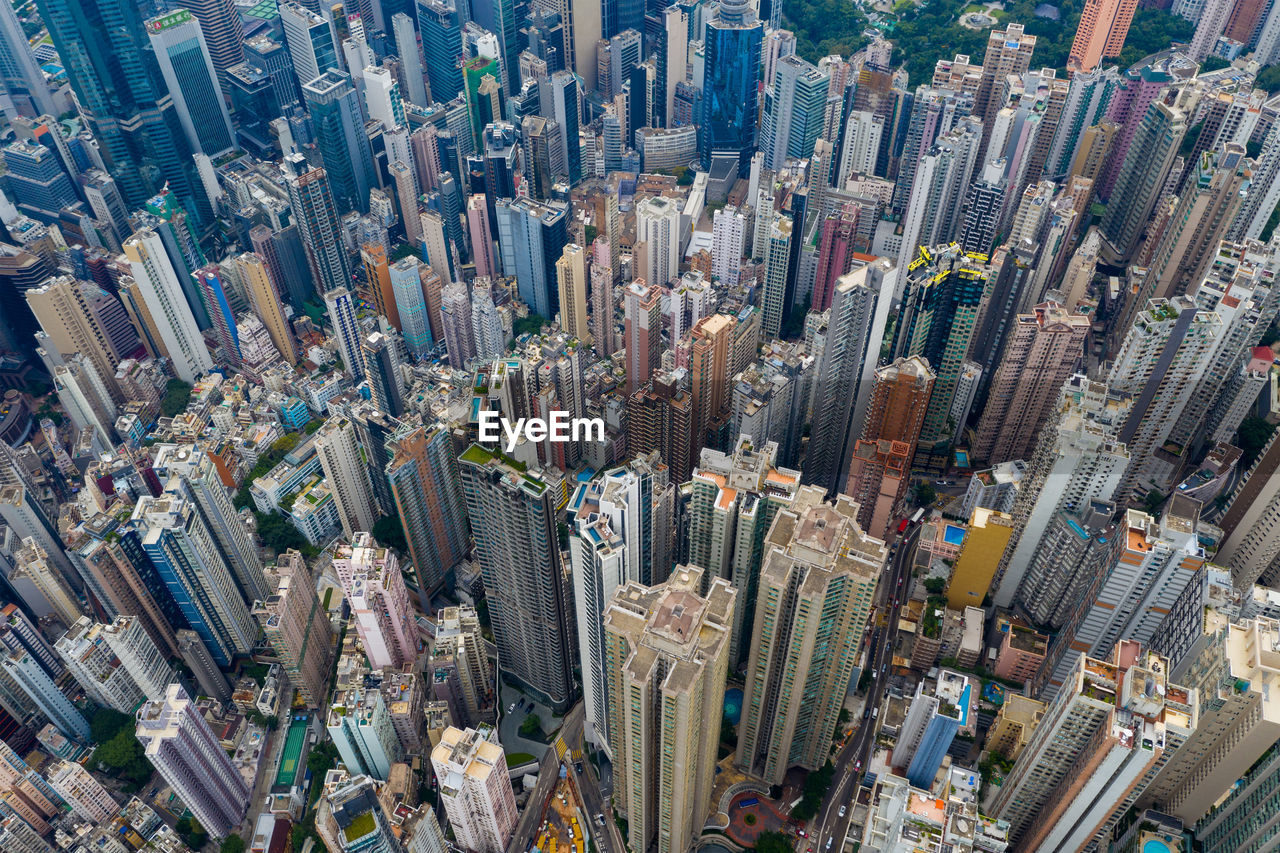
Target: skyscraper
(135,123)
(223,32)
(814,598)
(441,27)
(519,557)
(1008,52)
(346,328)
(793,111)
(658,228)
(309,38)
(347,474)
(940,708)
(475,788)
(182,747)
(173,326)
(406,287)
(191,80)
(117,664)
(61,307)
(382,372)
(81,791)
(338,125)
(1146,164)
(709,370)
(532,236)
(266,303)
(1103,27)
(571,276)
(423,475)
(20,75)
(459,638)
(779,282)
(729,231)
(667,655)
(317,218)
(297,627)
(373,584)
(642,332)
(26,672)
(731,72)
(1041,354)
(378,276)
(223,319)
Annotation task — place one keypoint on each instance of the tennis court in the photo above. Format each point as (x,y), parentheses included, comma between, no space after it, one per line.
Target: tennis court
(291,755)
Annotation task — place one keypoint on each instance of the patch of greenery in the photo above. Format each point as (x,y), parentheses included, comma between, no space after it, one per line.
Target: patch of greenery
(530,325)
(1213,63)
(1253,435)
(935,586)
(404,250)
(515,759)
(531,727)
(389,531)
(191,832)
(232,844)
(924,494)
(313,425)
(278,534)
(816,785)
(1268,79)
(1152,30)
(176,396)
(824,27)
(119,753)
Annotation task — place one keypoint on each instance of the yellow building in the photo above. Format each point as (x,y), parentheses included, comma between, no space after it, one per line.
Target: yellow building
(989,533)
(1015,722)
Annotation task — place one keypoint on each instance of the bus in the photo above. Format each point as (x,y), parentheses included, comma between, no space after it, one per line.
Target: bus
(902,526)
(919,514)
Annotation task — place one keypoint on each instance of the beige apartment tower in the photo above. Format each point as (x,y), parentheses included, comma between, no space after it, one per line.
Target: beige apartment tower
(666,658)
(571,275)
(264,298)
(297,627)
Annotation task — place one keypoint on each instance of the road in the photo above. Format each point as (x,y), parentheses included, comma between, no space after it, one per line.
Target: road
(831,826)
(588,789)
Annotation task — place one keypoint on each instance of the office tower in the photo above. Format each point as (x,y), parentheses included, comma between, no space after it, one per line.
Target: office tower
(642,332)
(939,709)
(346,328)
(1127,601)
(223,32)
(779,283)
(117,664)
(406,287)
(188,756)
(540,137)
(423,475)
(1141,178)
(727,242)
(378,278)
(191,80)
(190,561)
(347,474)
(266,303)
(20,74)
(812,605)
(440,26)
(297,627)
(458,637)
(1103,27)
(565,98)
(317,218)
(373,584)
(82,792)
(309,38)
(199,483)
(38,184)
(459,331)
(623,529)
(338,126)
(161,292)
(793,111)
(938,321)
(855,328)
(475,788)
(667,654)
(26,672)
(1078,459)
(532,236)
(61,306)
(730,73)
(406,40)
(584,27)
(1008,52)
(880,467)
(382,372)
(1204,211)
(658,228)
(571,277)
(134,122)
(673,60)
(519,558)
(1041,354)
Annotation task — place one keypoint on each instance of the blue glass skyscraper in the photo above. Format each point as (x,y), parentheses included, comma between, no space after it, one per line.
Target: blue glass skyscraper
(441,31)
(338,126)
(732,76)
(532,237)
(118,85)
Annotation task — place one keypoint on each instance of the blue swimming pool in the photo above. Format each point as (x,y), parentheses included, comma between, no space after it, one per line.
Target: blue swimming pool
(733,705)
(962,459)
(953,535)
(1154,846)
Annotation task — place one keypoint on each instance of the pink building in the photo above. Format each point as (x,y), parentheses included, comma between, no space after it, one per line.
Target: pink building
(371,581)
(642,331)
(1021,653)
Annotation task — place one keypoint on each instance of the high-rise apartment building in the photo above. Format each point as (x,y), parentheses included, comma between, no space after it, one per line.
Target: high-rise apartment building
(1042,353)
(297,627)
(812,604)
(1008,52)
(1147,161)
(666,658)
(25,792)
(191,80)
(61,306)
(658,228)
(458,638)
(940,708)
(374,586)
(117,664)
(519,556)
(475,789)
(728,236)
(25,671)
(779,283)
(571,277)
(423,475)
(265,300)
(341,306)
(382,372)
(1103,27)
(359,721)
(187,754)
(347,474)
(82,792)
(173,326)
(532,236)
(316,215)
(642,332)
(879,472)
(709,372)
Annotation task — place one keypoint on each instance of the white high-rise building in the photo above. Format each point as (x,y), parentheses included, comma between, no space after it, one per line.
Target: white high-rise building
(171,316)
(382,96)
(309,38)
(486,323)
(81,791)
(437,245)
(862,133)
(347,475)
(117,664)
(658,227)
(407,49)
(475,788)
(178,44)
(728,233)
(346,328)
(188,755)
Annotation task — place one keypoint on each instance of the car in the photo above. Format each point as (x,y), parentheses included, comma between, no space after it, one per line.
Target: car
(883,666)
(843,809)
(802,833)
(857,765)
(899,581)
(512,709)
(577,765)
(829,840)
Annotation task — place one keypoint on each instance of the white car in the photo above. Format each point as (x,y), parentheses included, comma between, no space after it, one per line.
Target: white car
(512,709)
(843,809)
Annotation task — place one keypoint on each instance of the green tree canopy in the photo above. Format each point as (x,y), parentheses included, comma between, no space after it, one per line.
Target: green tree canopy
(176,396)
(774,842)
(390,532)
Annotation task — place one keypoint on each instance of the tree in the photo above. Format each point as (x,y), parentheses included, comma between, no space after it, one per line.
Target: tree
(176,396)
(191,832)
(404,250)
(107,722)
(232,844)
(321,759)
(925,494)
(1152,502)
(390,532)
(1254,433)
(1268,79)
(773,842)
(589,233)
(531,726)
(279,535)
(935,586)
(528,325)
(1213,63)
